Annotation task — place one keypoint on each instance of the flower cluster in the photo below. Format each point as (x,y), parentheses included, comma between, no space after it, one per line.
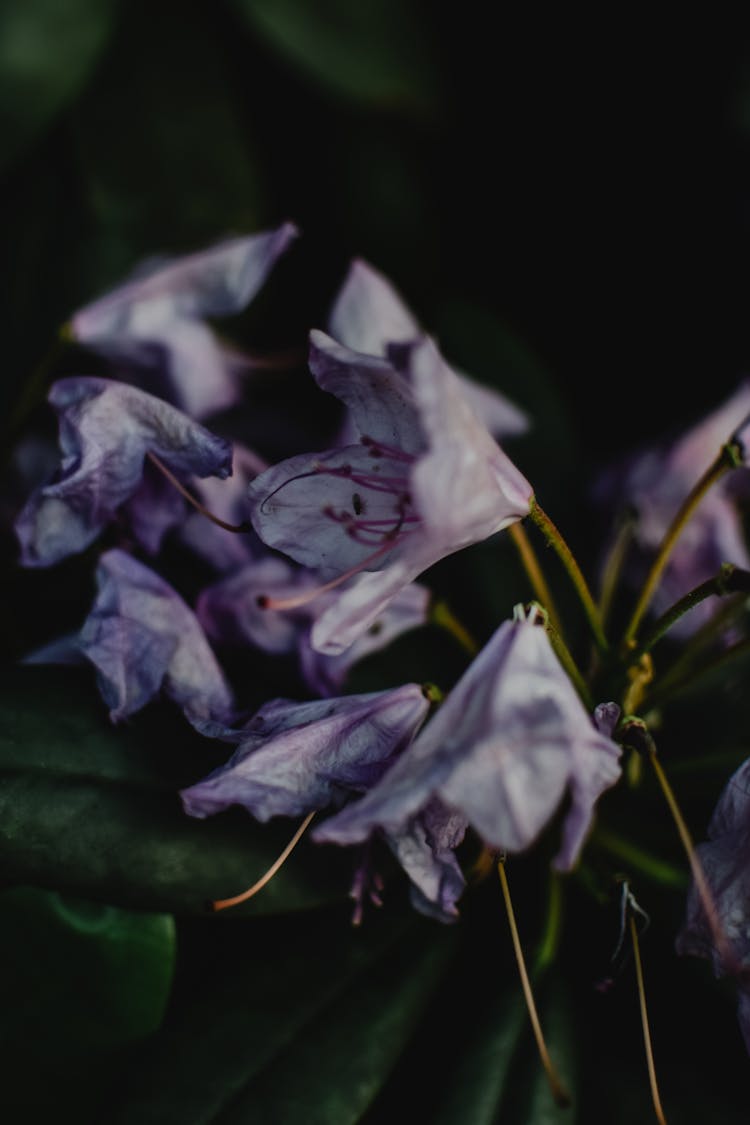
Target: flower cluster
(317,558)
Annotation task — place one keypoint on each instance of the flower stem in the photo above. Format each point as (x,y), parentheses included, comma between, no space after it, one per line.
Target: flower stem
(643,741)
(673,685)
(728,458)
(559,1093)
(534,571)
(729,580)
(553,926)
(443,616)
(223,903)
(555,540)
(644,1021)
(614,563)
(562,653)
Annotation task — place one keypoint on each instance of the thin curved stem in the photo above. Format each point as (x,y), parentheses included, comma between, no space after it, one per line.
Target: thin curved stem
(223,903)
(727,459)
(559,1093)
(556,541)
(236,527)
(534,571)
(645,1024)
(729,580)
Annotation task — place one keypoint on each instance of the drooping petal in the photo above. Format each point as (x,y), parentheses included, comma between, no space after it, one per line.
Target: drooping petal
(509,740)
(106,430)
(296,757)
(465,486)
(143,639)
(369,315)
(154,320)
(379,399)
(425,850)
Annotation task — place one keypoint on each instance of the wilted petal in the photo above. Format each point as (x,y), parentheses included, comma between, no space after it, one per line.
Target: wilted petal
(296,757)
(143,639)
(425,850)
(227,500)
(106,430)
(369,315)
(154,320)
(509,740)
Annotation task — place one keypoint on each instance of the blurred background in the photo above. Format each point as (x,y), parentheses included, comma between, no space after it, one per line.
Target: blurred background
(560,191)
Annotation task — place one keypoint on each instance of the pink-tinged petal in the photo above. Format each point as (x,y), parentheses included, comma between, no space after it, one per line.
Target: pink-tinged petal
(153,322)
(465,487)
(378,398)
(143,640)
(293,758)
(369,315)
(308,505)
(363,600)
(232,611)
(106,430)
(508,742)
(408,609)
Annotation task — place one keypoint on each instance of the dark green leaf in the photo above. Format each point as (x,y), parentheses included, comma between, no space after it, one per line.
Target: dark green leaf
(48,52)
(375,52)
(287,1023)
(93,810)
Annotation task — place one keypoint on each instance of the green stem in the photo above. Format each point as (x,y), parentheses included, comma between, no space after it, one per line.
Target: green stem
(534,571)
(443,616)
(729,458)
(556,541)
(563,655)
(730,580)
(664,691)
(614,564)
(550,942)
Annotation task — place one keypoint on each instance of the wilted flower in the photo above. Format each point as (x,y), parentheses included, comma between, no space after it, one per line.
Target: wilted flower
(426,479)
(655,484)
(106,431)
(144,640)
(725,860)
(154,322)
(509,741)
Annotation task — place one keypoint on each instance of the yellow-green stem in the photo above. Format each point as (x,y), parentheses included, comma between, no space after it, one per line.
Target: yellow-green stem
(556,541)
(559,1093)
(644,1022)
(442,615)
(534,571)
(726,460)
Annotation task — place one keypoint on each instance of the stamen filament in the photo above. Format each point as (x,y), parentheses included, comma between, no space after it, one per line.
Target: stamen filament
(236,527)
(559,1093)
(726,460)
(555,540)
(644,1021)
(534,571)
(296,600)
(223,903)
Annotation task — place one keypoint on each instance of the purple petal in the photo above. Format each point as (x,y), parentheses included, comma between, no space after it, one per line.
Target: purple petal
(153,321)
(143,639)
(296,757)
(106,430)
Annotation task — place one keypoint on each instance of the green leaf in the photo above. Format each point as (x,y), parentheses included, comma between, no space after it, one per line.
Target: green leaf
(48,52)
(374,52)
(80,984)
(93,810)
(283,1023)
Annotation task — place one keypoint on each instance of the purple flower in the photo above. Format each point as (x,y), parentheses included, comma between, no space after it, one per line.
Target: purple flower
(293,758)
(426,479)
(106,431)
(506,745)
(233,611)
(656,483)
(143,639)
(154,322)
(369,315)
(725,860)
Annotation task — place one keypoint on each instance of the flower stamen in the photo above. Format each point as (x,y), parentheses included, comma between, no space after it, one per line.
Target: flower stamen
(223,903)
